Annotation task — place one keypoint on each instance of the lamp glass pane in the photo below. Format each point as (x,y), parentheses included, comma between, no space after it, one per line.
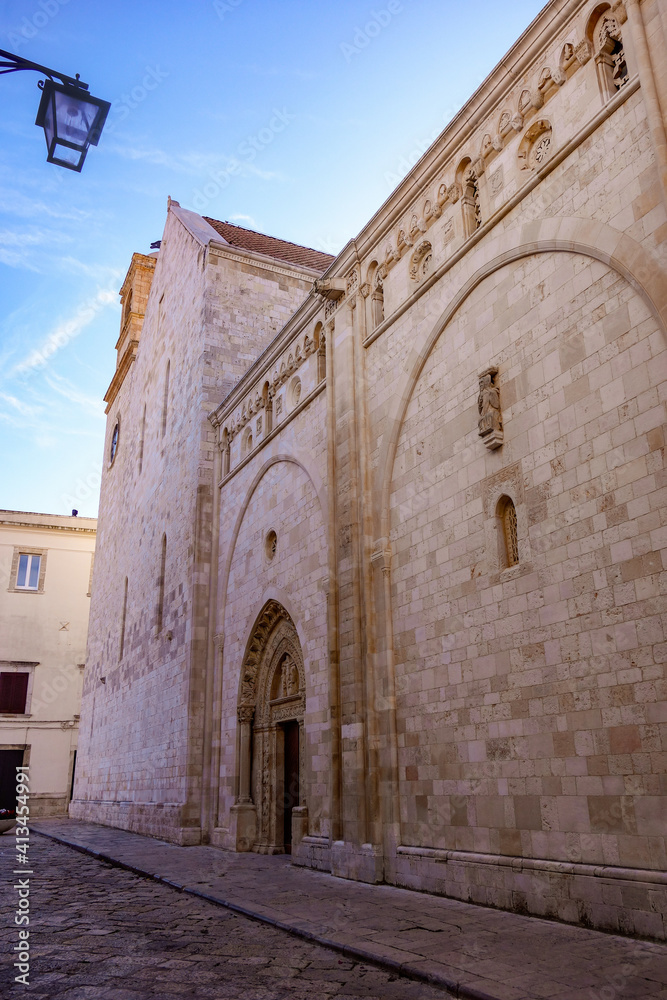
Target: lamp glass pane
(49,124)
(64,154)
(75,118)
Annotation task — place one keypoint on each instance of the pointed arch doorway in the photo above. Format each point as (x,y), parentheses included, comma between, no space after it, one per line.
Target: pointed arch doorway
(271,745)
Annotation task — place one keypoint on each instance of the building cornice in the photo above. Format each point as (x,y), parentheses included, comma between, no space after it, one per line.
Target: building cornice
(50,526)
(265,263)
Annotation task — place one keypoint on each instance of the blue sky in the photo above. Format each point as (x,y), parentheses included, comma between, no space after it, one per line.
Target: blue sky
(293,118)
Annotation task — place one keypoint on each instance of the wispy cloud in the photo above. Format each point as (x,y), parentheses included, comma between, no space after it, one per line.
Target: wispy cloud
(242,218)
(14,203)
(192,163)
(91,404)
(66,331)
(20,406)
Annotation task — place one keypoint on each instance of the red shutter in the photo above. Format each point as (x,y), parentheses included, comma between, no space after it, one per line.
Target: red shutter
(13,692)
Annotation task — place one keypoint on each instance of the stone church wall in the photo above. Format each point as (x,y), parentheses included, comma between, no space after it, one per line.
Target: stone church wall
(441,499)
(140,757)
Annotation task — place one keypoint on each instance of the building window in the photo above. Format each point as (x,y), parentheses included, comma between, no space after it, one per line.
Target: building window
(271,544)
(27,576)
(28,570)
(123,616)
(159,616)
(13,692)
(114,442)
(507,515)
(165,399)
(141,441)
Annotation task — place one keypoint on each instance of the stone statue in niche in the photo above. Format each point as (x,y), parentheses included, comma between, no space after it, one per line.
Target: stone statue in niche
(290,677)
(488,403)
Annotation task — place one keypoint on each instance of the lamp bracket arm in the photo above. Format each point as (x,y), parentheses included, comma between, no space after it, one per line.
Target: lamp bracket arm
(10,63)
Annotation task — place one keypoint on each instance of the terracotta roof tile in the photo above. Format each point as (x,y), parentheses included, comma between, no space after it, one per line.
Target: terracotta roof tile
(270,246)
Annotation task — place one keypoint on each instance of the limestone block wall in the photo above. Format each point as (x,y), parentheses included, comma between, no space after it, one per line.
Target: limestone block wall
(527,709)
(136,731)
(208,314)
(530,700)
(281,489)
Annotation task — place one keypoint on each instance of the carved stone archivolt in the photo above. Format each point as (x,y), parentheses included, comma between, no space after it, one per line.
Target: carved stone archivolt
(272,692)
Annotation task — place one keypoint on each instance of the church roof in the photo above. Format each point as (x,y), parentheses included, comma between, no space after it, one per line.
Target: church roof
(270,246)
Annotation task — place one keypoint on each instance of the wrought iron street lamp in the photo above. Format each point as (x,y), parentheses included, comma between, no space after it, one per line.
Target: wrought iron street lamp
(71,118)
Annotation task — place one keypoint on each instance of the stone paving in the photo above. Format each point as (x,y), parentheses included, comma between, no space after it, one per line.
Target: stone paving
(476,952)
(101,933)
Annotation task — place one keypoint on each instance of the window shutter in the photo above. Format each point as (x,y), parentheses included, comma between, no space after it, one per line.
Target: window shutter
(13,692)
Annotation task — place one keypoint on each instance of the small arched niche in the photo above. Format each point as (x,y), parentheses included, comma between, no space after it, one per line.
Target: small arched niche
(376,295)
(321,352)
(606,39)
(466,178)
(508,537)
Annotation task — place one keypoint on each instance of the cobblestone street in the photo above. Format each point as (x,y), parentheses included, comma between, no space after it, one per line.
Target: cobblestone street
(100,932)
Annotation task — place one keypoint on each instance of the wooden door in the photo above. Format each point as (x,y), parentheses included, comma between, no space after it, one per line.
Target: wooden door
(291,780)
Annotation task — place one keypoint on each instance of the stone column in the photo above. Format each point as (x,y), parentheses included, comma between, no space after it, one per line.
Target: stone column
(355,856)
(649,90)
(385,706)
(245,717)
(243,814)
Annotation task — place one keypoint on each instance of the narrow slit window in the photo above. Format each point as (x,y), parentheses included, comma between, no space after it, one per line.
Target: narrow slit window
(141,441)
(510,532)
(160,595)
(165,401)
(123,615)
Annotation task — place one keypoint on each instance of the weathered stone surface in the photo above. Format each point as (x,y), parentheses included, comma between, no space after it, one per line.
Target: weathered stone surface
(481,630)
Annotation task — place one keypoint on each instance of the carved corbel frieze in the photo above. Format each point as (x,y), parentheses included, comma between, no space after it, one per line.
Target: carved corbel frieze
(330,288)
(479,166)
(546,80)
(536,99)
(443,194)
(403,242)
(381,555)
(497,143)
(583,52)
(619,12)
(558,77)
(490,425)
(517,122)
(365,289)
(454,192)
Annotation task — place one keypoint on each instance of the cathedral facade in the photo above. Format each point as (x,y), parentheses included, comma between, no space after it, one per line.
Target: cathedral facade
(382,540)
